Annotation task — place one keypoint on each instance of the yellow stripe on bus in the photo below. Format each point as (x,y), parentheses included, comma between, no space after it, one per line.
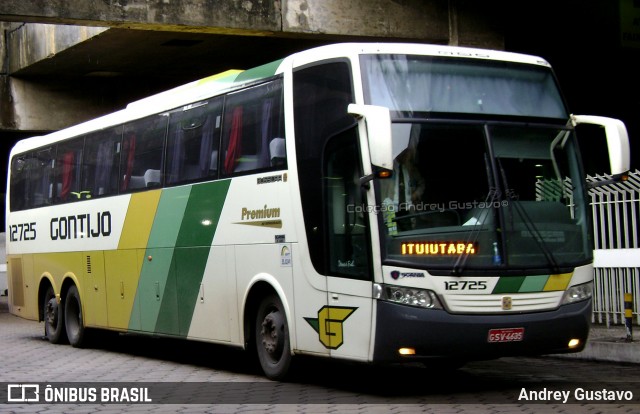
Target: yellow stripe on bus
(558,282)
(140,215)
(231,74)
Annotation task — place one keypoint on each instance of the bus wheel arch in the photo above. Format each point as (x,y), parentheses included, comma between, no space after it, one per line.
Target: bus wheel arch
(266,331)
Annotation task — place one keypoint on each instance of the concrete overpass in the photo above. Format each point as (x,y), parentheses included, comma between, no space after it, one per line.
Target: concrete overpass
(65,61)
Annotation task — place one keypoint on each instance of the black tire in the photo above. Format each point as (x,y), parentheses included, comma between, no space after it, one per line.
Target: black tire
(272,338)
(53,318)
(73,318)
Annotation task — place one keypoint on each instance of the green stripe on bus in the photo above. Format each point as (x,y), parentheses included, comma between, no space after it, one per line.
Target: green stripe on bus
(509,284)
(179,244)
(534,283)
(169,216)
(155,295)
(264,71)
(202,214)
(191,263)
(196,235)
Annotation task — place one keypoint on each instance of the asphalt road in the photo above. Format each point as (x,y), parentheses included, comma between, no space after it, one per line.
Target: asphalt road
(123,373)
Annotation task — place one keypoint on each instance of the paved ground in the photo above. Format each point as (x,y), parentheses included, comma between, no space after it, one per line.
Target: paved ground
(192,377)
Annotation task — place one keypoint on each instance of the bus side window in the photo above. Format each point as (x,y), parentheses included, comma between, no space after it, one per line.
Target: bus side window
(66,186)
(41,178)
(253,134)
(20,186)
(141,160)
(100,165)
(31,180)
(192,143)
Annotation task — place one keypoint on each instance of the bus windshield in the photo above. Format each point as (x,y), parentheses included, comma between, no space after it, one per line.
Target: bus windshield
(484,196)
(475,188)
(410,84)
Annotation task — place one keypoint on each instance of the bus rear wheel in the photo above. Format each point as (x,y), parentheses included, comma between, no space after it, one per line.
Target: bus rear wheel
(73,318)
(272,338)
(53,318)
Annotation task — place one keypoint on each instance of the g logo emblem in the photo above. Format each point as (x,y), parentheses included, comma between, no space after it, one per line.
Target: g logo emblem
(328,324)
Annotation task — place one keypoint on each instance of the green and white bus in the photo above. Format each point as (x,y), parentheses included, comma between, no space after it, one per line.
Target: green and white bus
(370,202)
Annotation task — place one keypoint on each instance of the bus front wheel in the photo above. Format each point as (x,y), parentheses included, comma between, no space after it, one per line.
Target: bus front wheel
(53,319)
(73,317)
(272,338)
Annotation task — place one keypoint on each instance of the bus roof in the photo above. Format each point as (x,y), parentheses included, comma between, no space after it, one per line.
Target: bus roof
(206,87)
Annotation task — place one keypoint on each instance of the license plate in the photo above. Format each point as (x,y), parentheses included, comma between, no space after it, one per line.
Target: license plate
(506,335)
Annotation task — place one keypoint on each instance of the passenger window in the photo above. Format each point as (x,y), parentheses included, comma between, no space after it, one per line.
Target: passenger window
(19,182)
(67,172)
(193,142)
(101,162)
(41,177)
(253,134)
(141,160)
(31,180)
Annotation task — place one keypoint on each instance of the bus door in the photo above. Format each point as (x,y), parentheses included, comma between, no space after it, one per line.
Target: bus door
(347,319)
(335,303)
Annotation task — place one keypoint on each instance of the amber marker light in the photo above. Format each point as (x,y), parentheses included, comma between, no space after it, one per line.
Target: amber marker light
(406,351)
(574,343)
(384,173)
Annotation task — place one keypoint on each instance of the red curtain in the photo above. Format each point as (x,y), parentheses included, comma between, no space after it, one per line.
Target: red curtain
(130,158)
(67,174)
(234,150)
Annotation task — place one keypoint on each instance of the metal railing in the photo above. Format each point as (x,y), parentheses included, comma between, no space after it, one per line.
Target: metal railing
(616,221)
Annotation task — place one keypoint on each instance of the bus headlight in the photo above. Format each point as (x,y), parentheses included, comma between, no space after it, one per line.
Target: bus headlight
(422,298)
(577,293)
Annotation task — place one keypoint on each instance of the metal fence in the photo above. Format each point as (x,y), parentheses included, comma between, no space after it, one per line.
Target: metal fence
(616,220)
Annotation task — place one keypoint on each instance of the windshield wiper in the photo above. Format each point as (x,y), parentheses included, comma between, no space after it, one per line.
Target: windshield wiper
(530,225)
(492,196)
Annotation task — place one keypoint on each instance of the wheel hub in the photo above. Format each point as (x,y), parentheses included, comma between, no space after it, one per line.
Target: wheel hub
(273,333)
(51,312)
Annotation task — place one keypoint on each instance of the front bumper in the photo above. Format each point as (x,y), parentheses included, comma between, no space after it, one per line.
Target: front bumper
(437,333)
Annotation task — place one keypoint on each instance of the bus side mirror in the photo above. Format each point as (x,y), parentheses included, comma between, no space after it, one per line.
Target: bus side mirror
(378,125)
(617,142)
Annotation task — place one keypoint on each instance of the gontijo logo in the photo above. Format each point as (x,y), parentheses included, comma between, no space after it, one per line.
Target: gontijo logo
(328,324)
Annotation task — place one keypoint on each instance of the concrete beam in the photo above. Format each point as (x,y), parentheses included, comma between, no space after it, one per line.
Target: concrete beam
(424,20)
(32,43)
(218,16)
(411,19)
